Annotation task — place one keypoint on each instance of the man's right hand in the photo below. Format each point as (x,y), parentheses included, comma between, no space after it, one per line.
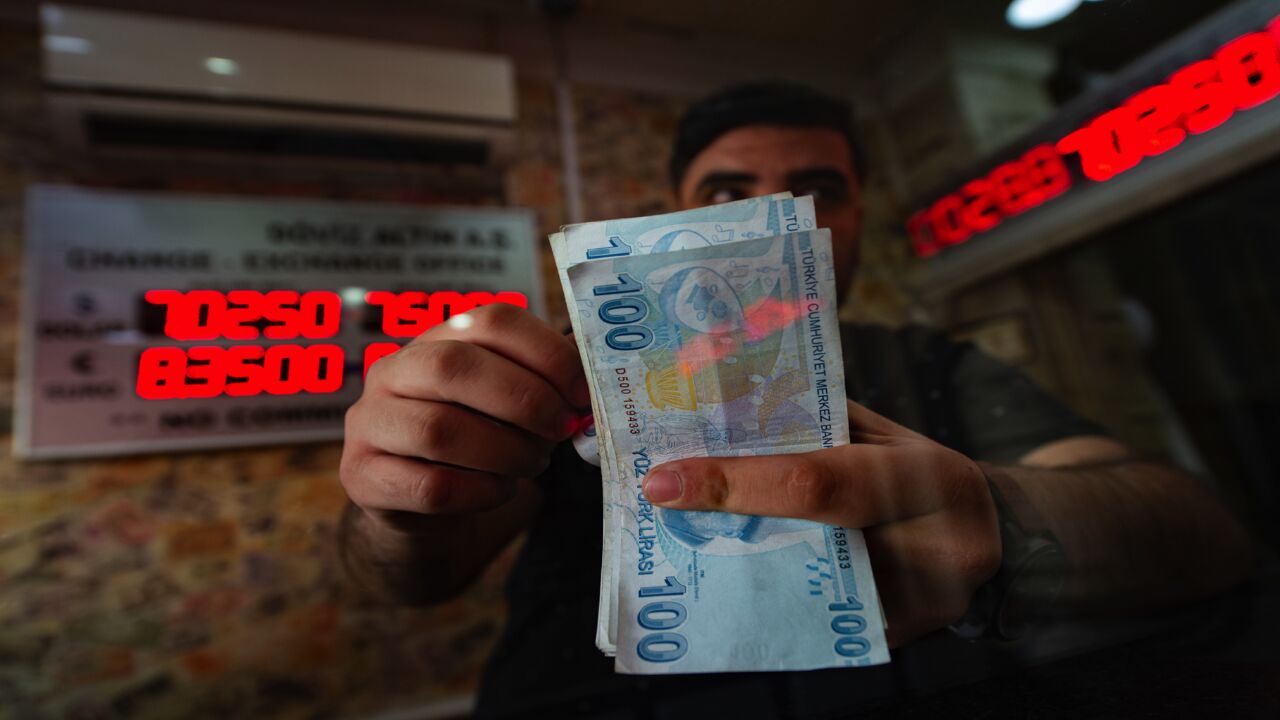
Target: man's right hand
(447,424)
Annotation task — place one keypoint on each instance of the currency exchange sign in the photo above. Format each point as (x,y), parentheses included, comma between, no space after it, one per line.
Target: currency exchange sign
(93,256)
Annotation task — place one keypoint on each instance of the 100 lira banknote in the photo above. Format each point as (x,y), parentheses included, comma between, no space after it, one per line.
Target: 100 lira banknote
(575,244)
(723,350)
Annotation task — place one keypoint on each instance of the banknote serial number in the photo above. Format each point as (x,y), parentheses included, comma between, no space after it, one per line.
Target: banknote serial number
(840,539)
(847,621)
(628,402)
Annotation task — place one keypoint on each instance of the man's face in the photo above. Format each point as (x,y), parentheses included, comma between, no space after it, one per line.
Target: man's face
(764,159)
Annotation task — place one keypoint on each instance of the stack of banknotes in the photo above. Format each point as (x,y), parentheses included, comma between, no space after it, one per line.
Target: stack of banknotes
(714,332)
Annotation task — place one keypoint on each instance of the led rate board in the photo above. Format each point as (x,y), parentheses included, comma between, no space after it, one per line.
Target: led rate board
(174,322)
(1197,98)
(246,370)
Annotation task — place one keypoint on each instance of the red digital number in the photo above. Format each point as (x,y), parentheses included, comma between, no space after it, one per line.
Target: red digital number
(948,228)
(1243,74)
(1157,113)
(244,365)
(1108,146)
(187,315)
(1045,167)
(209,314)
(409,314)
(1015,188)
(979,211)
(162,372)
(312,315)
(1205,102)
(1248,66)
(291,369)
(207,371)
(1012,188)
(206,375)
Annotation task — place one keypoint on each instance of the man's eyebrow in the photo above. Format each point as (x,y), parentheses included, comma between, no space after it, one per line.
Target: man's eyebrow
(820,174)
(725,178)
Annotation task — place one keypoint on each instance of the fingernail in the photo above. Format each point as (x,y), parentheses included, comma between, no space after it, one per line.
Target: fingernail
(662,486)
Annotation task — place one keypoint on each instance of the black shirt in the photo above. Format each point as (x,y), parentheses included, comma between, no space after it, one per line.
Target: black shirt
(547,665)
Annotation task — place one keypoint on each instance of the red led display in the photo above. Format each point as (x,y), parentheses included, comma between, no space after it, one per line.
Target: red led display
(166,373)
(409,314)
(210,315)
(1243,74)
(1010,189)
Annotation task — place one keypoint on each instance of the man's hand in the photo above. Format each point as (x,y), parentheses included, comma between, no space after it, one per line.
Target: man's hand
(446,431)
(449,422)
(929,520)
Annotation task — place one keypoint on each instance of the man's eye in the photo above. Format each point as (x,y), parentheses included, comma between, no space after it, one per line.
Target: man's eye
(823,193)
(724,195)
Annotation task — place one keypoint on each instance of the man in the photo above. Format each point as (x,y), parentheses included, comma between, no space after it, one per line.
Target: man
(457,445)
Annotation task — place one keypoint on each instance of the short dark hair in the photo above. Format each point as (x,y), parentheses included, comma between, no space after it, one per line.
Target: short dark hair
(760,103)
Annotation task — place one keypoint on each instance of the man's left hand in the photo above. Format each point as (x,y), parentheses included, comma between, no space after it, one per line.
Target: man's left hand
(928,517)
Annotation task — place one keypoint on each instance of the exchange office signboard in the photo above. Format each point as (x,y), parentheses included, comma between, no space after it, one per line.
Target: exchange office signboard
(159,322)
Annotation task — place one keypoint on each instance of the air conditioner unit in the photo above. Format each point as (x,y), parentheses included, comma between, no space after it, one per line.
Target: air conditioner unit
(122,80)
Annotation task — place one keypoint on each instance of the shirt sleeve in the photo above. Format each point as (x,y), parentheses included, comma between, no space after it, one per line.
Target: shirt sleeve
(1004,413)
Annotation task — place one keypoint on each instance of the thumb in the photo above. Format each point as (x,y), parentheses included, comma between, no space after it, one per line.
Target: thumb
(799,486)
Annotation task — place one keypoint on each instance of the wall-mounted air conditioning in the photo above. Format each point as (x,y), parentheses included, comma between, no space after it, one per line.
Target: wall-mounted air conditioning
(121,80)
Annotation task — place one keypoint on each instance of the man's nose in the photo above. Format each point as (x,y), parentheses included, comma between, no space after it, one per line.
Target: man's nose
(769,186)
